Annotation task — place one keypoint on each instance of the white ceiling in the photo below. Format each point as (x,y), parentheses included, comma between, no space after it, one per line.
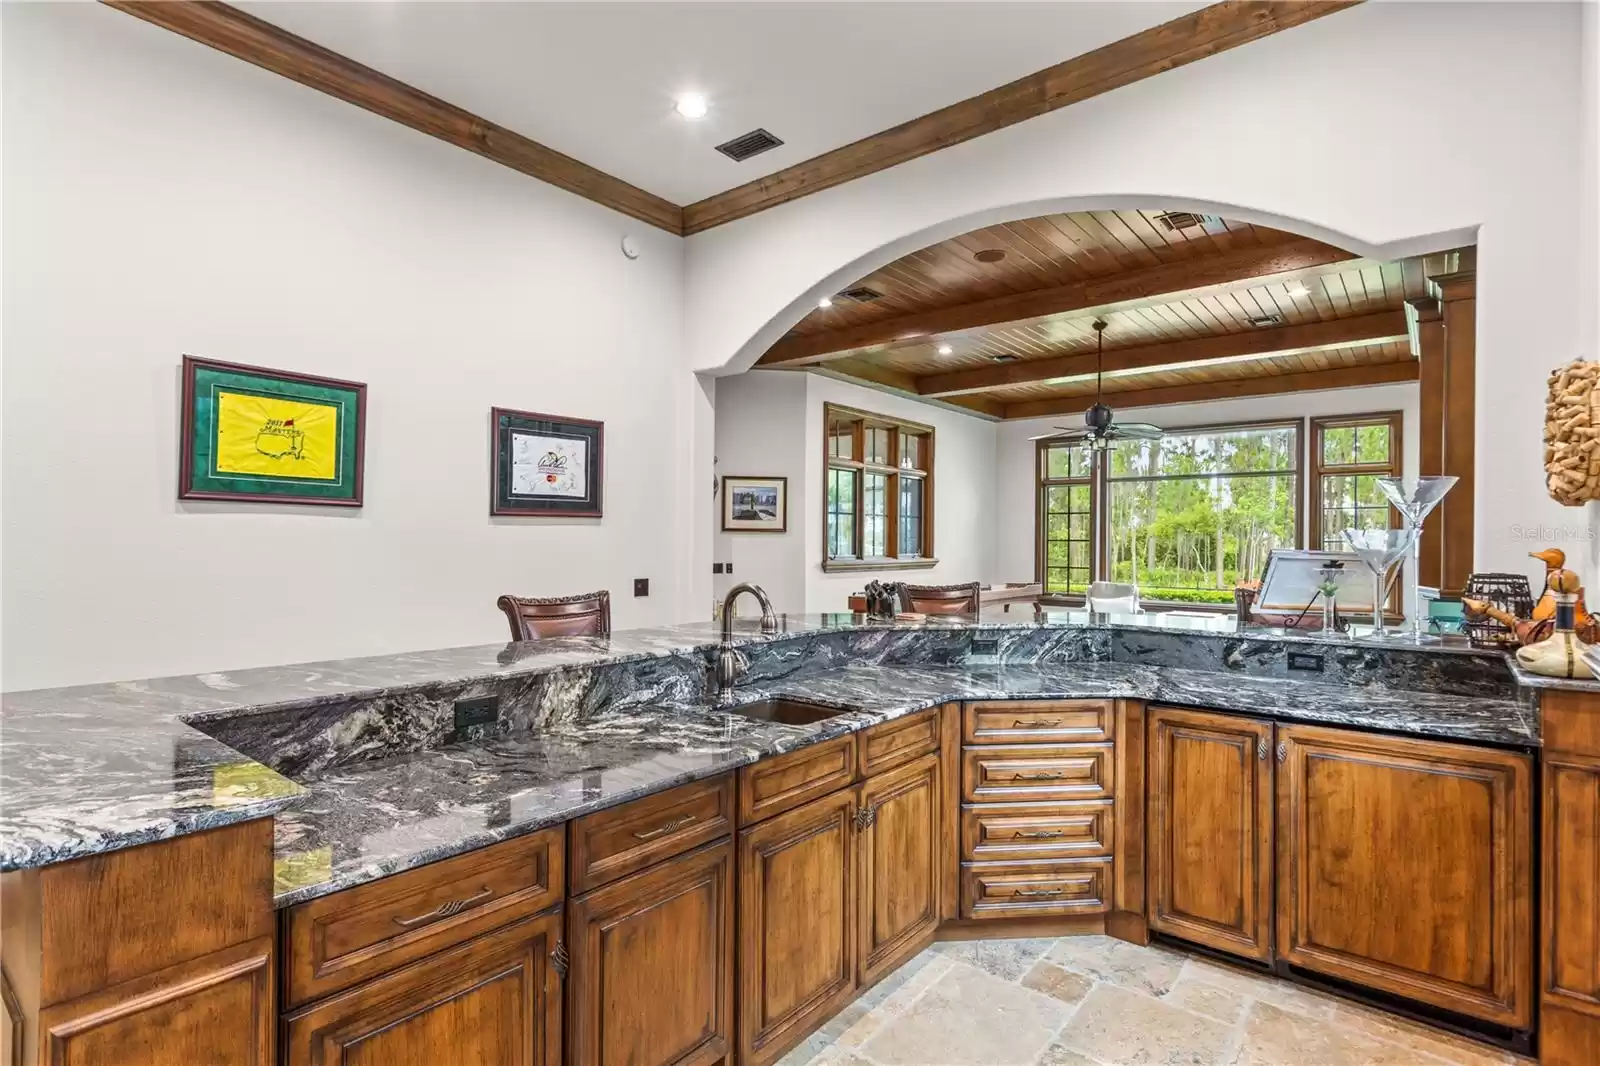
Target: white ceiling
(597,80)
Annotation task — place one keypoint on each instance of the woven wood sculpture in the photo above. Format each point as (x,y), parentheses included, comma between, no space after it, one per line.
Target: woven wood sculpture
(1572,434)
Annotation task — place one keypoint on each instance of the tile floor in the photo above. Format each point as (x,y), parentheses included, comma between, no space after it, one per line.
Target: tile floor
(1094,1001)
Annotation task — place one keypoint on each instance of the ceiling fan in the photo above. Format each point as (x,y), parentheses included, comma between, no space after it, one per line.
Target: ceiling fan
(1099,429)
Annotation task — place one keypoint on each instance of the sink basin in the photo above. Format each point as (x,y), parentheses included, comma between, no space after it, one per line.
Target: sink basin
(787,712)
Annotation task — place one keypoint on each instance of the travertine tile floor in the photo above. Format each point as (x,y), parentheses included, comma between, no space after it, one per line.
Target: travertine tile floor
(1094,1001)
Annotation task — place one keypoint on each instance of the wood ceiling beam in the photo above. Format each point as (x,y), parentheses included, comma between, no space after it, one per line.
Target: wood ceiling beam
(1380,328)
(246,37)
(1310,381)
(1166,281)
(1172,44)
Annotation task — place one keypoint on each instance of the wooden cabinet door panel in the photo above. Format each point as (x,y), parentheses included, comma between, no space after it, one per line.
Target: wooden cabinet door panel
(493,1001)
(1406,865)
(897,896)
(797,942)
(214,1009)
(883,747)
(1209,818)
(783,782)
(1572,881)
(652,966)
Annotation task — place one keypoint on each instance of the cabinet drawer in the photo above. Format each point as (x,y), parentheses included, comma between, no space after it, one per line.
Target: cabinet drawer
(1034,889)
(1054,722)
(883,747)
(338,940)
(611,844)
(1010,832)
(1036,772)
(784,782)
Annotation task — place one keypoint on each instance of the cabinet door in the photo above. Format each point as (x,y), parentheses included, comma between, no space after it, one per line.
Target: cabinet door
(797,957)
(217,1008)
(1209,846)
(1406,865)
(1571,1015)
(897,895)
(652,965)
(493,1001)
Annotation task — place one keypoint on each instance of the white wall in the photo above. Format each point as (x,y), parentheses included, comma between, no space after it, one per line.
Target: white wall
(770,423)
(161,198)
(1391,127)
(1016,484)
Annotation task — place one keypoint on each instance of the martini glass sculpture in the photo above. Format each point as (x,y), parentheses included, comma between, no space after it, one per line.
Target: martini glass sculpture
(1415,502)
(1380,549)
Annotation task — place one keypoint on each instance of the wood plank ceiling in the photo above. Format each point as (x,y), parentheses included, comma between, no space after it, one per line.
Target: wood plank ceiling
(999,320)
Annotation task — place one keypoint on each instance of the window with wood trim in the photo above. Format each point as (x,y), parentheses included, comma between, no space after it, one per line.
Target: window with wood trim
(878,492)
(1066,517)
(1348,456)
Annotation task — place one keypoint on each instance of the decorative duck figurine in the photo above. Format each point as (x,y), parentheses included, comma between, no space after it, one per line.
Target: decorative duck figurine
(1555,560)
(1561,653)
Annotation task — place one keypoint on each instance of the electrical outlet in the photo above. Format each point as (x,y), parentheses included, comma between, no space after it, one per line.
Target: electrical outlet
(480,710)
(641,586)
(1300,660)
(730,568)
(717,568)
(985,646)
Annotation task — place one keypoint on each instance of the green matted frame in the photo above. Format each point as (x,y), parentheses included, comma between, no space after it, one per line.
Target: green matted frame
(198,478)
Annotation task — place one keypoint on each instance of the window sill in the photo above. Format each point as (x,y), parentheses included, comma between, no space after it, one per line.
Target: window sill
(831,566)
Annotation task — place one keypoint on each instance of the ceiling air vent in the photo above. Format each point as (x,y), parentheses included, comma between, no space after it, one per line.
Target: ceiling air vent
(746,145)
(1266,320)
(1177,220)
(861,294)
(1006,357)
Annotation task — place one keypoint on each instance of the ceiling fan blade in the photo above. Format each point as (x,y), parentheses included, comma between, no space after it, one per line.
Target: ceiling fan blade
(1061,433)
(1137,430)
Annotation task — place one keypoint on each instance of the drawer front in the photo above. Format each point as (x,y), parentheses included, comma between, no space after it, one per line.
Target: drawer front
(1036,773)
(1053,722)
(784,782)
(1011,832)
(350,936)
(1035,889)
(614,843)
(883,747)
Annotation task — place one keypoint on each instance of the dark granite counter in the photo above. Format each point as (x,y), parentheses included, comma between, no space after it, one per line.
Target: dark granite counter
(361,765)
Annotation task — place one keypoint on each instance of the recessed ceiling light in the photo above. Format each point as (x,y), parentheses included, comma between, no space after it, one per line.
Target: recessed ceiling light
(945,349)
(826,301)
(989,255)
(1298,290)
(691,105)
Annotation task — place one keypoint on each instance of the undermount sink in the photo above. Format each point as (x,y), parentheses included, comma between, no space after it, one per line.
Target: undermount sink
(787,712)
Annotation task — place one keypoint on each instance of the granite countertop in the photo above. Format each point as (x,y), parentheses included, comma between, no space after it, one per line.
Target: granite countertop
(93,768)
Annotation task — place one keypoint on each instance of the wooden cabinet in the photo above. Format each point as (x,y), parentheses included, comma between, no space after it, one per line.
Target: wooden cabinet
(613,843)
(1036,772)
(1209,812)
(652,978)
(1406,865)
(492,1001)
(898,864)
(1569,1015)
(797,944)
(783,782)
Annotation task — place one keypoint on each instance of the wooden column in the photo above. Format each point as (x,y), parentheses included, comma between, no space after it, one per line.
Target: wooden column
(1427,326)
(1458,302)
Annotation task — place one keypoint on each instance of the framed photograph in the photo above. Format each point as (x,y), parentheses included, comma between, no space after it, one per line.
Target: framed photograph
(272,436)
(546,466)
(755,504)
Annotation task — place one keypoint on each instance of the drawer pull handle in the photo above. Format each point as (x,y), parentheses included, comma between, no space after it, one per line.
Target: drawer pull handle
(446,909)
(1041,723)
(1037,834)
(1038,777)
(1038,892)
(663,830)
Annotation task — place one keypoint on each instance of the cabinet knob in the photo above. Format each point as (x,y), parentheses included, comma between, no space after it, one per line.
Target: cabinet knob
(1283,752)
(559,959)
(865,816)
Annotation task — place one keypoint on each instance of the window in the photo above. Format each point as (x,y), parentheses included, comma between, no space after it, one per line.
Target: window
(879,484)
(1066,496)
(1184,517)
(1348,456)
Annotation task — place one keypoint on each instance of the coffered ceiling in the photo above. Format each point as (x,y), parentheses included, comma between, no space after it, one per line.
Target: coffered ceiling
(1000,320)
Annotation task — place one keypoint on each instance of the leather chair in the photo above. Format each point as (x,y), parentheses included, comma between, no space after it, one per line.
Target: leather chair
(588,615)
(941,599)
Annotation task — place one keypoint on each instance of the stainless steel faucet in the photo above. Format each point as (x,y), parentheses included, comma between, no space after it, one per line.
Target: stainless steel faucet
(730,664)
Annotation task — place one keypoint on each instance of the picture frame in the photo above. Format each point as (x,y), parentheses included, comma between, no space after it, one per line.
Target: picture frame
(260,435)
(545,466)
(755,504)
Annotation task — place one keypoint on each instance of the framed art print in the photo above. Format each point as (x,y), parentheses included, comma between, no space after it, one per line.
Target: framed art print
(755,504)
(546,466)
(272,436)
